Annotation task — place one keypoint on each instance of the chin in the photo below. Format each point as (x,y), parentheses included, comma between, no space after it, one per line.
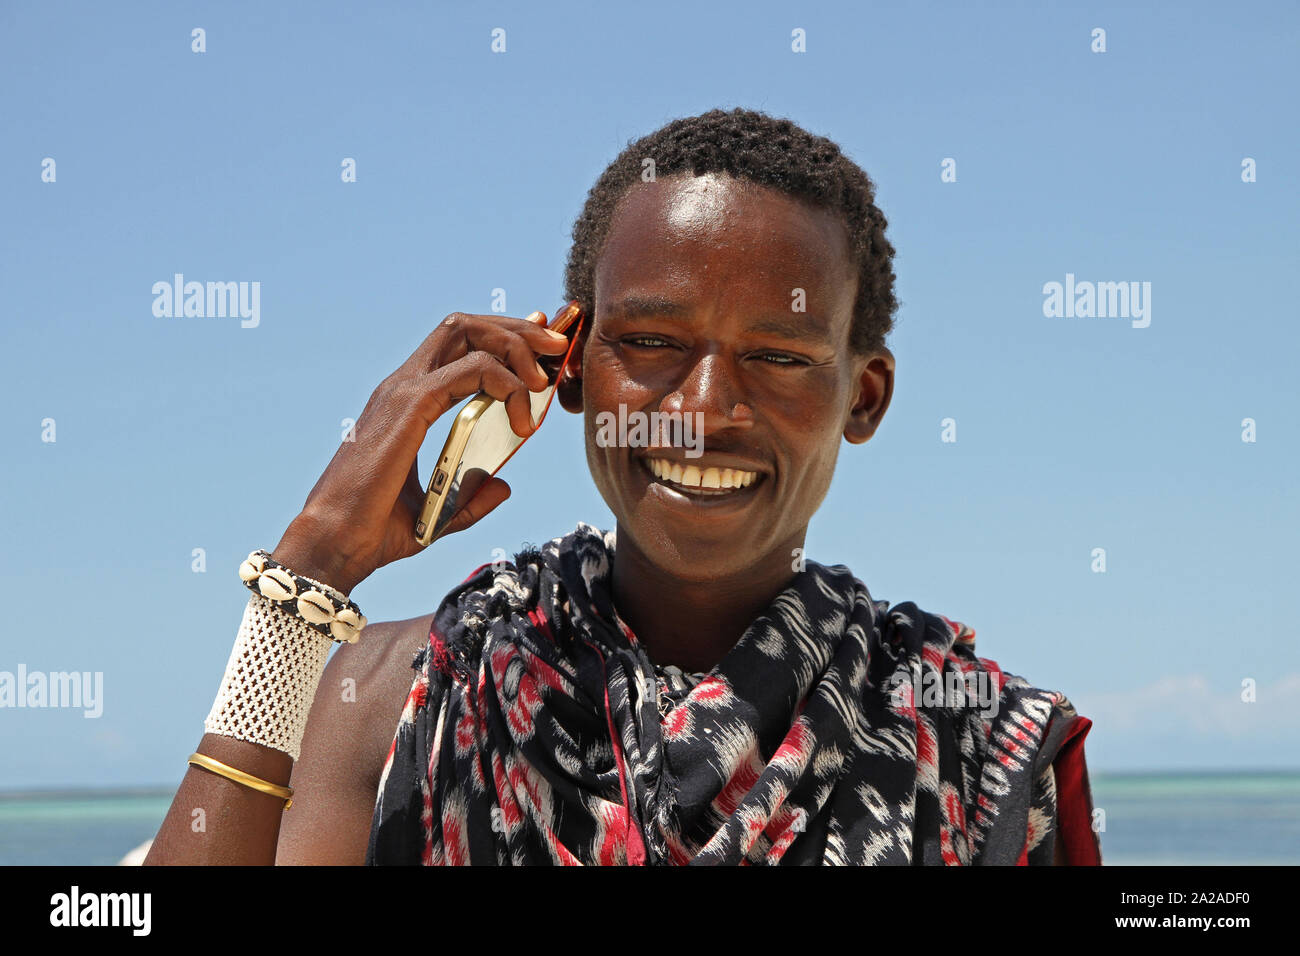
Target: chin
(690,556)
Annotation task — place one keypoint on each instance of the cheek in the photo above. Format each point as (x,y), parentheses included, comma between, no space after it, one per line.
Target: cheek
(812,465)
(813,440)
(607,383)
(605,386)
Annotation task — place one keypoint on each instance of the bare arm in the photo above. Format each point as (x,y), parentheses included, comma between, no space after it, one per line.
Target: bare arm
(216,821)
(359,516)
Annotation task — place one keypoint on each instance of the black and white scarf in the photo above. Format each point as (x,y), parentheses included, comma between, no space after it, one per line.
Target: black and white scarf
(835,731)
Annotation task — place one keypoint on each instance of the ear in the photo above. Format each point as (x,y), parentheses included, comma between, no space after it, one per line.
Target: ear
(569,387)
(875,389)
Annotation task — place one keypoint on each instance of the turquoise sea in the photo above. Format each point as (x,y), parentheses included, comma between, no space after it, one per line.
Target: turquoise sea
(1171,818)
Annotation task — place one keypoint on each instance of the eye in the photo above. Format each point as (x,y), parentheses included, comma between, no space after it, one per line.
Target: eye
(785,359)
(639,340)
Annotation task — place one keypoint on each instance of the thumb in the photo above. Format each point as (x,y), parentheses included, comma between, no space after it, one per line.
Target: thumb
(485,500)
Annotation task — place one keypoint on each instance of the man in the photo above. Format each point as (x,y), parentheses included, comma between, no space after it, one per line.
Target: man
(687,688)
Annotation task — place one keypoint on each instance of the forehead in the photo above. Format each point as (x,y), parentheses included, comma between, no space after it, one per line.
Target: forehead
(715,231)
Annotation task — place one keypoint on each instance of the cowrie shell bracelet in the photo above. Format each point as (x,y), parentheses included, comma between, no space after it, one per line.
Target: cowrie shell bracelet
(319,605)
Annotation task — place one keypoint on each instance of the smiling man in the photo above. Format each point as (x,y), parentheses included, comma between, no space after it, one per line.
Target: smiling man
(693,301)
(685,688)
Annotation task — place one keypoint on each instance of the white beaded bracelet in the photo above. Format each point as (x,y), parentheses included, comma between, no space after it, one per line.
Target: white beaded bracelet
(270,680)
(318,605)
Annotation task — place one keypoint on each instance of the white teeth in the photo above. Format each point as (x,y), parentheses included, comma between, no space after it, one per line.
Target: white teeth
(693,477)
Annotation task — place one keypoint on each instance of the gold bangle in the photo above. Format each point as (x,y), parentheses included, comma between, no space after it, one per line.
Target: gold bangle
(247,779)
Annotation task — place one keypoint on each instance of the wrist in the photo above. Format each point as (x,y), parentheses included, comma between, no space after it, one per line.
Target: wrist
(306,550)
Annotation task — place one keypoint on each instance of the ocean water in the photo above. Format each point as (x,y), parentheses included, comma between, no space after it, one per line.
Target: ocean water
(1201,818)
(1205,818)
(95,828)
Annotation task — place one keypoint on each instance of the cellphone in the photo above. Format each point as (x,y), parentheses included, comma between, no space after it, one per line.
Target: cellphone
(482,441)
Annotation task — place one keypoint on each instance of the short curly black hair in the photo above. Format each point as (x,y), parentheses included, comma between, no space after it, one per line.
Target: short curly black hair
(766,150)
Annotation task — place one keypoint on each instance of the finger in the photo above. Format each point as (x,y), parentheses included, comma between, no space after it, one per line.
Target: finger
(477,372)
(492,493)
(501,343)
(517,340)
(534,331)
(516,351)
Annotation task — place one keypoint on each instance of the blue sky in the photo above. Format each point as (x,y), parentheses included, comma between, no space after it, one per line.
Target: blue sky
(1072,434)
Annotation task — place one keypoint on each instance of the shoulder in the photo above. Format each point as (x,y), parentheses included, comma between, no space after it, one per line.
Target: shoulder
(1031,737)
(948,672)
(369,680)
(1024,716)
(384,643)
(359,700)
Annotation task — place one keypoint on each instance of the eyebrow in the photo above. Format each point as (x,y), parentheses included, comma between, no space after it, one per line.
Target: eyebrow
(804,328)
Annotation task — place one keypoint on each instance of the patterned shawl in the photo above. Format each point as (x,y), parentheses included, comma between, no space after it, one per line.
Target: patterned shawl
(836,731)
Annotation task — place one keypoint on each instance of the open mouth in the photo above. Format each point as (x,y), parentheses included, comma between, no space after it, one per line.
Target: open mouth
(702,482)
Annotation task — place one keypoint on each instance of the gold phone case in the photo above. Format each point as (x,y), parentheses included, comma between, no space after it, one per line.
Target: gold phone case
(481,440)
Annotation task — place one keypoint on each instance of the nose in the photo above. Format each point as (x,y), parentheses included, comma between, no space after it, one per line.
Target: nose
(711,389)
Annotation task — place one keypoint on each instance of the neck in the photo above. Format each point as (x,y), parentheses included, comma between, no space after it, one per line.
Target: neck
(692,623)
